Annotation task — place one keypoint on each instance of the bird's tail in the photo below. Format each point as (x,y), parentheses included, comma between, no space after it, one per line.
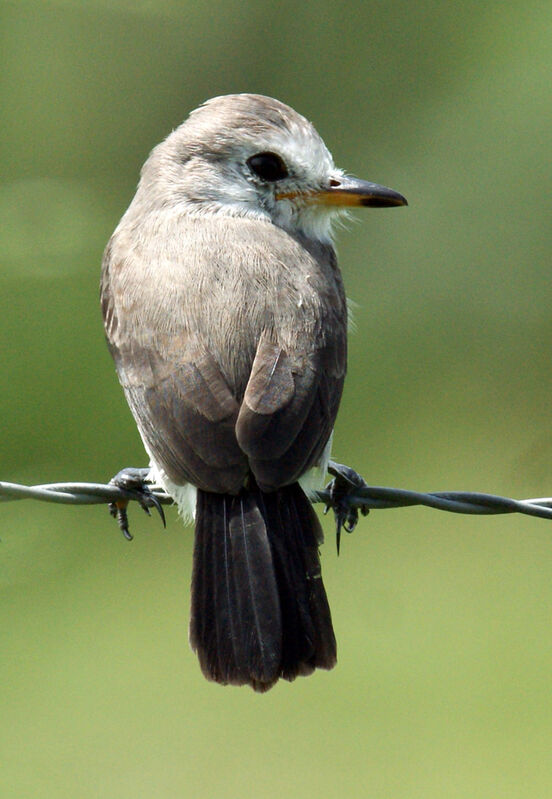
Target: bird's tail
(259,608)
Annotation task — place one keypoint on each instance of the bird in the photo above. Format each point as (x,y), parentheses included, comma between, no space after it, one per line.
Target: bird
(226,316)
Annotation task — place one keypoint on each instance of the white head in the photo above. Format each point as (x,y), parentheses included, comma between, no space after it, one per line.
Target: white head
(250,155)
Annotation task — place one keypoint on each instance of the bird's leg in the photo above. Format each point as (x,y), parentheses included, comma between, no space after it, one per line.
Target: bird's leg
(340,497)
(133,482)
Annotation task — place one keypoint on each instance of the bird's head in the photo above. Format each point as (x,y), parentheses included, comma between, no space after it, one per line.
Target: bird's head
(250,155)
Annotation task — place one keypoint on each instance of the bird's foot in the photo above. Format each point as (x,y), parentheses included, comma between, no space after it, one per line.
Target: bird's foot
(134,482)
(341,498)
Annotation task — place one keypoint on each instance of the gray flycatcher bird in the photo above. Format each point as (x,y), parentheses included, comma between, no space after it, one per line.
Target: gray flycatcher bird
(226,316)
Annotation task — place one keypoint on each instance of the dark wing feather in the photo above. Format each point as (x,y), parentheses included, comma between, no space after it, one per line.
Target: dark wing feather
(288,411)
(183,407)
(187,419)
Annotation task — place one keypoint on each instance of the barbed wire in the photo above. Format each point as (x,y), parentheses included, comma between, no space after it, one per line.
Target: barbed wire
(76,493)
(347,495)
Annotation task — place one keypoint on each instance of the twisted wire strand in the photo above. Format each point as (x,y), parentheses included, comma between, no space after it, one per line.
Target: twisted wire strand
(470,502)
(74,493)
(362,497)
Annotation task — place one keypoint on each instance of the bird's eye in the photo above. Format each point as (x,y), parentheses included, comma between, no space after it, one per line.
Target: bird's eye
(268,166)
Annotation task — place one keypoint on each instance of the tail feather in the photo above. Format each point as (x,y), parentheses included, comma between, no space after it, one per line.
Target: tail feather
(259,608)
(258,622)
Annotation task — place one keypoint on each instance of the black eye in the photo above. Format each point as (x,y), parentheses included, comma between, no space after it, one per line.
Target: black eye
(268,166)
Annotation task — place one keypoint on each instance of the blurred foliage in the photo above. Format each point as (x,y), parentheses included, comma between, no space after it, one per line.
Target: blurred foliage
(443,622)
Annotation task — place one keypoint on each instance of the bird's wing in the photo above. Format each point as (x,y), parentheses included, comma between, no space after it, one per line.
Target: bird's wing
(182,405)
(196,430)
(289,409)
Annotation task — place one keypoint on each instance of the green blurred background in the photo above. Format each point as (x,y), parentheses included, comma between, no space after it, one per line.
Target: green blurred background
(443,622)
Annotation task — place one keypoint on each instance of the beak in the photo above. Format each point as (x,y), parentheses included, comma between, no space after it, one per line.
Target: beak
(352,191)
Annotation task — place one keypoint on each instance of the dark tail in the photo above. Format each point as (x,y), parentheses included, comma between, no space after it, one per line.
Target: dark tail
(259,608)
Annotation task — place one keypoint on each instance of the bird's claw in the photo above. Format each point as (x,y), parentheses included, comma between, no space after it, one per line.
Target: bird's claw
(341,490)
(134,482)
(118,510)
